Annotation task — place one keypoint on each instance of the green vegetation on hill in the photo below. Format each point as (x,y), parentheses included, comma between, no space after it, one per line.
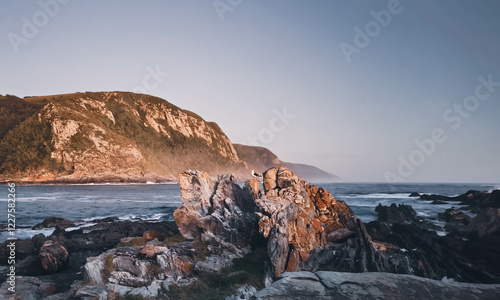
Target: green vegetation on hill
(120,120)
(26,142)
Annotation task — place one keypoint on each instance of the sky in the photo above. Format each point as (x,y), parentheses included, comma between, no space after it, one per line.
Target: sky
(372,91)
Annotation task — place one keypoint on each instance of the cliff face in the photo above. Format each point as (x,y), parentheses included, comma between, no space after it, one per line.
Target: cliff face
(107,136)
(260,158)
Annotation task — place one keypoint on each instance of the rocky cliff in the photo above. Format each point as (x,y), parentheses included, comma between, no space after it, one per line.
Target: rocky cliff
(105,136)
(118,136)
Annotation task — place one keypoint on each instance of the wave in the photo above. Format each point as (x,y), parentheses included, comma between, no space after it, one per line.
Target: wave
(377,196)
(134,217)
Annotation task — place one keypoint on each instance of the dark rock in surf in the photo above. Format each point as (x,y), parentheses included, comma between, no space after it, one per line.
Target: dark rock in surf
(53,222)
(471,198)
(395,213)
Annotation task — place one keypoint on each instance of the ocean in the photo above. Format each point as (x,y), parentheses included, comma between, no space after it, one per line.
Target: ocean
(157,202)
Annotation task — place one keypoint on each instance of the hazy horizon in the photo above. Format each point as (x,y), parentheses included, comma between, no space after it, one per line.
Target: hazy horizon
(423,85)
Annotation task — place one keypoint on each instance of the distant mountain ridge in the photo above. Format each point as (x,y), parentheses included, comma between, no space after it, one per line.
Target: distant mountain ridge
(262,159)
(111,137)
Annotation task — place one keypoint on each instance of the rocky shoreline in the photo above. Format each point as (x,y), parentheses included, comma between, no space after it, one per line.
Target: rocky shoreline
(289,240)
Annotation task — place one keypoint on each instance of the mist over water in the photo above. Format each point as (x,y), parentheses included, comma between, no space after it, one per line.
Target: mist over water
(157,202)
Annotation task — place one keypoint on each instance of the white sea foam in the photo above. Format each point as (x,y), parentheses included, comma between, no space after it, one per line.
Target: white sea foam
(25,233)
(378,196)
(422,214)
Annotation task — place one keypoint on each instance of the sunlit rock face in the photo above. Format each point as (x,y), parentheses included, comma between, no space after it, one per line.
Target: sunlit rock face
(109,136)
(296,217)
(293,216)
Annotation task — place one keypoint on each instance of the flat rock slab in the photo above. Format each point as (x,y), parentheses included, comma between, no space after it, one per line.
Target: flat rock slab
(337,285)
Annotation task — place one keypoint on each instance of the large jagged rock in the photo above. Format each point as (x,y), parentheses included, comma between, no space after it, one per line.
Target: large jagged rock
(297,220)
(219,213)
(336,285)
(296,217)
(53,256)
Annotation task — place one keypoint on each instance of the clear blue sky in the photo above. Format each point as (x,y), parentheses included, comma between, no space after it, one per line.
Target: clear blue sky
(352,119)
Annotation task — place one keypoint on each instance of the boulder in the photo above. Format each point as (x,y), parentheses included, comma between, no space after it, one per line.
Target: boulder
(53,256)
(337,285)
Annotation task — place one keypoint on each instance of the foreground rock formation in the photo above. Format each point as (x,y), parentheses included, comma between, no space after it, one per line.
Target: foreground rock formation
(302,224)
(336,285)
(289,239)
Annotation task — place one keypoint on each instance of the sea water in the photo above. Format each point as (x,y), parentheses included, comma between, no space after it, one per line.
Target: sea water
(157,202)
